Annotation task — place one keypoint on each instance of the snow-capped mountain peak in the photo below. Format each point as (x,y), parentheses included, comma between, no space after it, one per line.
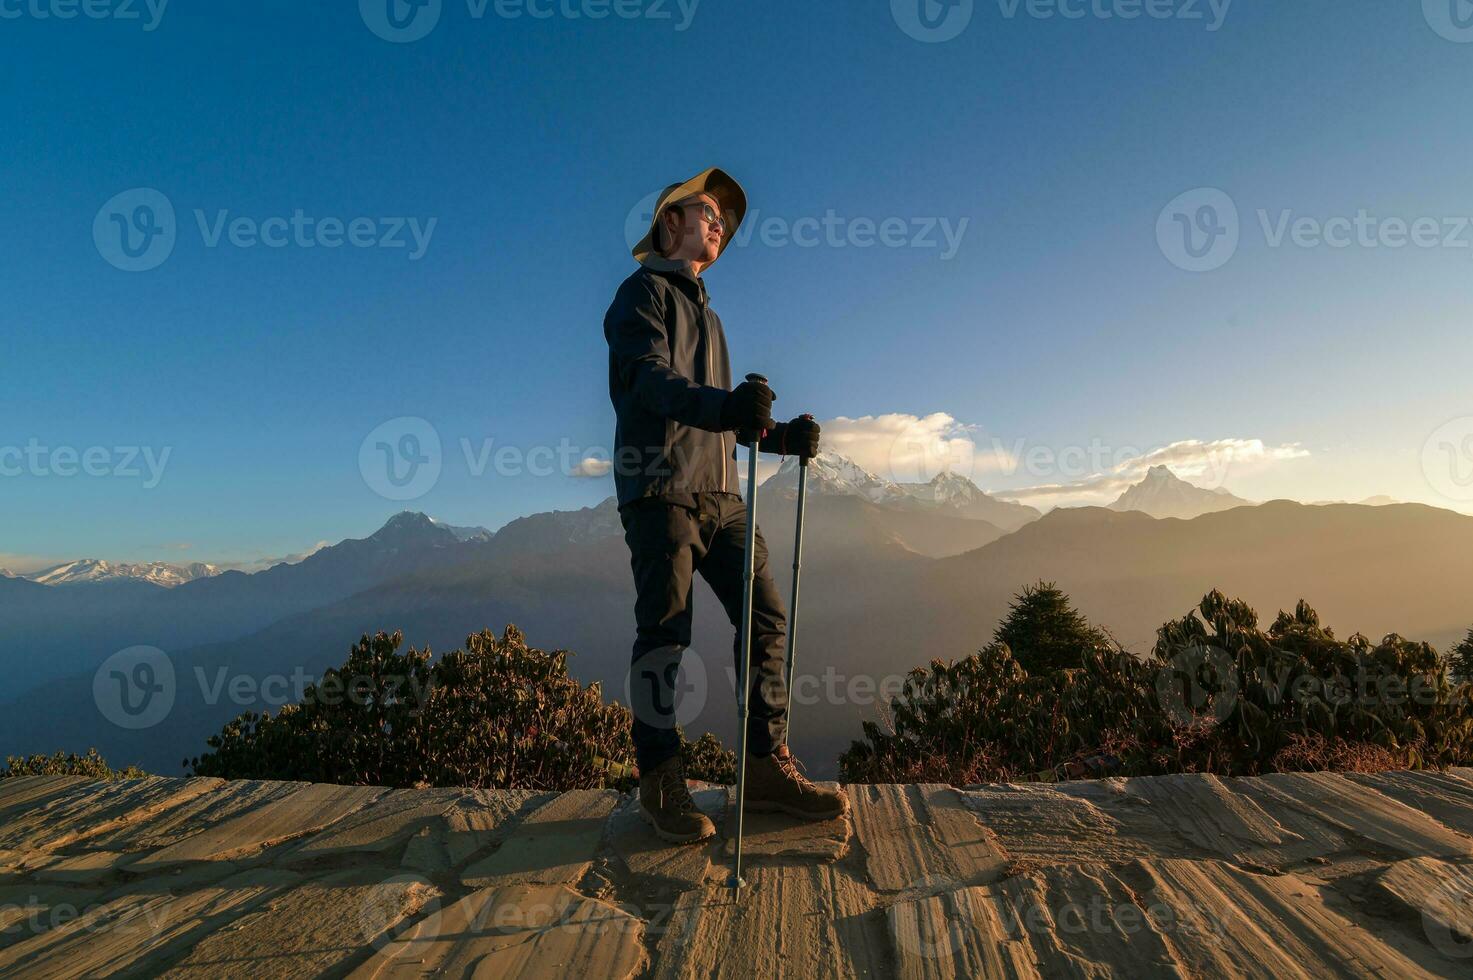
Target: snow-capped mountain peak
(832,473)
(1161,493)
(412,525)
(89,570)
(465,533)
(945,488)
(835,474)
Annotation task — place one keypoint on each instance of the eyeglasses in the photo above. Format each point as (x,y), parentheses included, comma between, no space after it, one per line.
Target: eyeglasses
(708,214)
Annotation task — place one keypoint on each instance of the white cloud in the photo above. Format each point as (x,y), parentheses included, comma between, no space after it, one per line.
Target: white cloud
(591,467)
(908,448)
(1207,464)
(261,564)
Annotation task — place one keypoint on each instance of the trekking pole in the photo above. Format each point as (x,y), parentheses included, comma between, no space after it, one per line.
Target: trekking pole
(743,669)
(797,566)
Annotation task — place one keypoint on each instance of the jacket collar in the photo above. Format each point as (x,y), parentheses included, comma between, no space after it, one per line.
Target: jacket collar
(677,272)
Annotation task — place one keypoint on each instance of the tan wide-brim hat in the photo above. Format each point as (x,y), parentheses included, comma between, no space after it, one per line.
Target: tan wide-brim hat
(716,182)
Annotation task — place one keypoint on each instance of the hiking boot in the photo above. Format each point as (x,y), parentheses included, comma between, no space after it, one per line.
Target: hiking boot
(666,805)
(774,783)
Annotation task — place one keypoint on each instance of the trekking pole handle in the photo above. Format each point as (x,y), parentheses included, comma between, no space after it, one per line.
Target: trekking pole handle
(757,379)
(804,460)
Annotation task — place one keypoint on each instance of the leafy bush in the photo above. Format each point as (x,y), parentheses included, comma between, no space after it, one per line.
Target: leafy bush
(707,759)
(92,765)
(1216,694)
(497,714)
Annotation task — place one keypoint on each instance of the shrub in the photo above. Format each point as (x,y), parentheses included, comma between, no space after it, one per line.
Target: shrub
(92,765)
(1215,694)
(497,714)
(707,759)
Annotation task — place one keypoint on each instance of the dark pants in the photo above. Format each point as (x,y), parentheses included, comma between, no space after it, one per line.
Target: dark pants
(668,543)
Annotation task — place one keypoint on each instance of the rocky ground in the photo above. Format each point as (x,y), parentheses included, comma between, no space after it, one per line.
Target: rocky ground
(1283,876)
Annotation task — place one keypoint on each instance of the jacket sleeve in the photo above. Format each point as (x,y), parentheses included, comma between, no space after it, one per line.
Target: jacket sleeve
(640,346)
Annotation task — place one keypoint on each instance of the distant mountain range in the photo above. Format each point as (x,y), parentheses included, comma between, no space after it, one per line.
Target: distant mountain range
(89,571)
(947,493)
(86,571)
(1164,494)
(891,580)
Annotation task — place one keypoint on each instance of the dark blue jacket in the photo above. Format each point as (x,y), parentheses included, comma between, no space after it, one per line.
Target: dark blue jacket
(669,375)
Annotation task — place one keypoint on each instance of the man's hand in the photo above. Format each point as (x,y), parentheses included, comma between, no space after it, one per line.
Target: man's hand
(748,408)
(796,438)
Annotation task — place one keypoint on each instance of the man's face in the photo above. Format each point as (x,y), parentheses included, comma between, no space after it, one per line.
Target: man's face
(695,238)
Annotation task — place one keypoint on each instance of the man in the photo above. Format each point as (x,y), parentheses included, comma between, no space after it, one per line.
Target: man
(677,426)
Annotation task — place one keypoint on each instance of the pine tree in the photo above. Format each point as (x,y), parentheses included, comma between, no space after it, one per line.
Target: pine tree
(1045,632)
(1460,658)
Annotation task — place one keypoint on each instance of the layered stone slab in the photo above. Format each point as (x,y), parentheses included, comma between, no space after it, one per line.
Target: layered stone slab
(1076,821)
(553,845)
(1240,923)
(517,931)
(1442,796)
(1169,918)
(649,858)
(29,909)
(167,827)
(1164,877)
(314,928)
(382,825)
(89,867)
(1352,813)
(89,809)
(476,822)
(140,928)
(19,793)
(1440,894)
(281,818)
(808,920)
(1205,812)
(922,835)
(782,836)
(962,932)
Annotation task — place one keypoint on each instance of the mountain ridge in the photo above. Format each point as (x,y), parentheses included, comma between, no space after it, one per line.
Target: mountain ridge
(832,473)
(1163,494)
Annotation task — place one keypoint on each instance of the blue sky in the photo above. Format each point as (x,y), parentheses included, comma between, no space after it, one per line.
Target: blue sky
(1055,325)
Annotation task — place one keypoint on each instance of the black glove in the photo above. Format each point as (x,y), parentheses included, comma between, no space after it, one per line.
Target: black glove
(748,409)
(796,438)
